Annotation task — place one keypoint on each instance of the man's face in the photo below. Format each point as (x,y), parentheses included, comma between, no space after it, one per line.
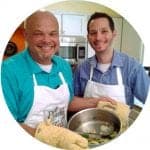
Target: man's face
(100,35)
(42,36)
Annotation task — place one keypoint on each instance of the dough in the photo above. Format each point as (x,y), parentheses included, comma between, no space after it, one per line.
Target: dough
(60,137)
(120,109)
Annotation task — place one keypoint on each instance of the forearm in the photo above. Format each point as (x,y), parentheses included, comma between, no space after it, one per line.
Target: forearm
(79,103)
(30,130)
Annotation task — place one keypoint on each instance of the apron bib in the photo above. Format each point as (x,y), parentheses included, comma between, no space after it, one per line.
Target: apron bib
(95,89)
(49,103)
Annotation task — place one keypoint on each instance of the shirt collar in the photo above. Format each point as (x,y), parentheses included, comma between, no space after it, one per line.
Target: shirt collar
(34,66)
(116,61)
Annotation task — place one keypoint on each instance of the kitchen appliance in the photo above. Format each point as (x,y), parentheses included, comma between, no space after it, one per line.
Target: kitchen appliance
(73,49)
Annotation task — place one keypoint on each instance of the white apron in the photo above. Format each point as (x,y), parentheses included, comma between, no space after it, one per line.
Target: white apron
(49,103)
(95,89)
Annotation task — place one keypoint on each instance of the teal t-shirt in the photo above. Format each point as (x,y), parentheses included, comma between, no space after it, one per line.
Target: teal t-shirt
(17,81)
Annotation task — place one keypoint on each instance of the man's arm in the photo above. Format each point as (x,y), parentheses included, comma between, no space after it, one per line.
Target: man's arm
(30,130)
(79,103)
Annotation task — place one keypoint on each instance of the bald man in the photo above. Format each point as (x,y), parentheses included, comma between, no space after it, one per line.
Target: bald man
(36,83)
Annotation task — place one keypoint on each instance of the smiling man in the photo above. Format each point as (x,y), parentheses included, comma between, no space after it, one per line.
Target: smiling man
(36,83)
(109,73)
(42,36)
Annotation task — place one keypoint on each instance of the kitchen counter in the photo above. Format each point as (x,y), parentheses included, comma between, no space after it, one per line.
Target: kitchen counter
(134,114)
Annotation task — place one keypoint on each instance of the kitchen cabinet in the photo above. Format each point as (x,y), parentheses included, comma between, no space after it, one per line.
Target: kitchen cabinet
(58,16)
(131,42)
(118,39)
(72,24)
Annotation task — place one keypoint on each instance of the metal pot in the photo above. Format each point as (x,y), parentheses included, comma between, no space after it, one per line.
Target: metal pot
(94,121)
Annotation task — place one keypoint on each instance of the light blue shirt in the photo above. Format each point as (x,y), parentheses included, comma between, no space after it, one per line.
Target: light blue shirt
(135,79)
(17,81)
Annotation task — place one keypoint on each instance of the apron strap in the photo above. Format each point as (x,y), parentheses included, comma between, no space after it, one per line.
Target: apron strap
(62,77)
(34,80)
(119,76)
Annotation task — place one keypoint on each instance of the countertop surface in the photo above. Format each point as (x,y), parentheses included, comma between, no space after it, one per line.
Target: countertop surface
(134,113)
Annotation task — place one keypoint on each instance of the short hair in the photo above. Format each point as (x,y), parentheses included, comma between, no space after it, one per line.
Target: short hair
(97,15)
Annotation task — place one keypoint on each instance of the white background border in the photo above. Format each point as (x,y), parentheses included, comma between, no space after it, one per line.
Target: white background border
(12,13)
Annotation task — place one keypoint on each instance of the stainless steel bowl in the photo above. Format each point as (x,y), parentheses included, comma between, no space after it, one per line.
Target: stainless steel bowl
(91,121)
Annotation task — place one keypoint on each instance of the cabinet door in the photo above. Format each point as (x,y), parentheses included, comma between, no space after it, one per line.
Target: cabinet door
(58,16)
(118,26)
(131,42)
(73,25)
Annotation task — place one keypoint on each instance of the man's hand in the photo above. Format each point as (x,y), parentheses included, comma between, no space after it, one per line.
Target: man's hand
(80,103)
(107,99)
(120,109)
